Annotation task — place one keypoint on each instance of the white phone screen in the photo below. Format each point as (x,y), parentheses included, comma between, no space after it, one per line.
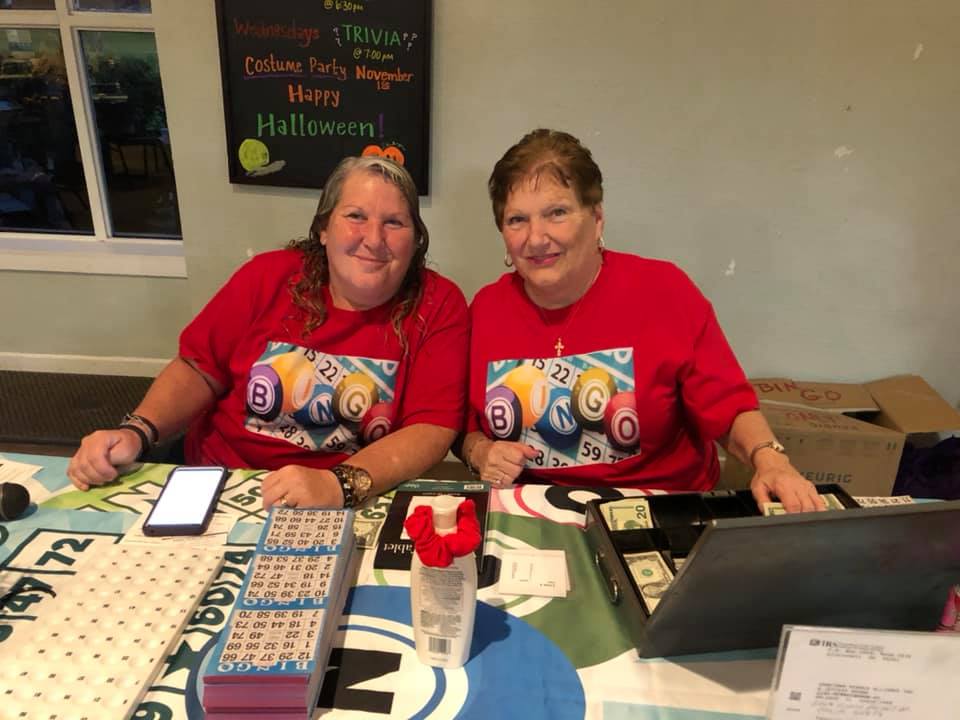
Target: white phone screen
(186,496)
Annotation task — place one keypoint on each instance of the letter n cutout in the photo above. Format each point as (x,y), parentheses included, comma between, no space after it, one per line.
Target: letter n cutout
(350,666)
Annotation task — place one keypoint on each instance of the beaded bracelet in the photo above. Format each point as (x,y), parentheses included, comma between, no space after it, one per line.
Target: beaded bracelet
(144,440)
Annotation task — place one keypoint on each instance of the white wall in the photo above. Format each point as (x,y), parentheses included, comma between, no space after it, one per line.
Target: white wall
(794,158)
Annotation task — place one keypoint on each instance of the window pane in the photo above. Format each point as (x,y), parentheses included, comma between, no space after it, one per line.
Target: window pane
(42,188)
(112,5)
(27,4)
(131,124)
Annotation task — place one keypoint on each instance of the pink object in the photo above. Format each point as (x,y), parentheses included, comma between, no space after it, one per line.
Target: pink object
(950,622)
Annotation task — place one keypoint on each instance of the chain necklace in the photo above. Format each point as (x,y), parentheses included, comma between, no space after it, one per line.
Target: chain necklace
(559,346)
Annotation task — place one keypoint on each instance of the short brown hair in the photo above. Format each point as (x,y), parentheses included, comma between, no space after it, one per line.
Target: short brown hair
(554,152)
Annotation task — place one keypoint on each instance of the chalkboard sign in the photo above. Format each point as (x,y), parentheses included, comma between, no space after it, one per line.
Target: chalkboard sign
(309,82)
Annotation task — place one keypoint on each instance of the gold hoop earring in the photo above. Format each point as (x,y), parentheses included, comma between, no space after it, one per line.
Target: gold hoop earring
(507,261)
(600,244)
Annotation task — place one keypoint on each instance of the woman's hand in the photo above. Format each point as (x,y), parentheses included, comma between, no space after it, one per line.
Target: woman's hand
(501,462)
(752,442)
(297,486)
(99,455)
(776,477)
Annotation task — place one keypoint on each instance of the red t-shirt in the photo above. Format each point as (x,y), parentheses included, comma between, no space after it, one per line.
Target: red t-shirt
(314,401)
(645,385)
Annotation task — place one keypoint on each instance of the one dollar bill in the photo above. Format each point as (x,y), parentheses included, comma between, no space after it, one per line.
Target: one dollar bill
(366,531)
(651,574)
(627,514)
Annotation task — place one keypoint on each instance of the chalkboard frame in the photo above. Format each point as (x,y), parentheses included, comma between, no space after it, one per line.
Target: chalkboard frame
(235,172)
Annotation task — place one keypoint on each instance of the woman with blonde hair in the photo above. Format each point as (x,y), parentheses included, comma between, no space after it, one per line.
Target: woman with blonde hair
(338,362)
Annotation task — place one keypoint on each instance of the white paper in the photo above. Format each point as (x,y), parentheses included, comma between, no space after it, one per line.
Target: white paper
(17,472)
(840,674)
(534,572)
(884,500)
(217,533)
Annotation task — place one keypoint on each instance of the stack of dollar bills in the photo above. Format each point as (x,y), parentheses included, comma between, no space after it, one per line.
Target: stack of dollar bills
(775,508)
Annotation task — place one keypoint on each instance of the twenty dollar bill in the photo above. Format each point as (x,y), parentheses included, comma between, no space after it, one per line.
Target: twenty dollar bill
(627,514)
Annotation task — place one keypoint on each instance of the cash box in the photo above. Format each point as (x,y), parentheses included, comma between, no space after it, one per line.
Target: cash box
(739,576)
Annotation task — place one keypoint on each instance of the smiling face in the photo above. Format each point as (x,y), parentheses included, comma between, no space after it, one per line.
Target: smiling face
(552,240)
(369,240)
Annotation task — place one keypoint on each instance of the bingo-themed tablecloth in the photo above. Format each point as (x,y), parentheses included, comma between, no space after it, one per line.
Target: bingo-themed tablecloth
(532,657)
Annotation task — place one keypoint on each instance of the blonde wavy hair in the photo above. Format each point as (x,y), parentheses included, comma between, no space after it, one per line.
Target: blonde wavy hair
(307,291)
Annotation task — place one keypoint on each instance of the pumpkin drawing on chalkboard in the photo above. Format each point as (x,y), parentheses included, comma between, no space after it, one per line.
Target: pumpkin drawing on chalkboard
(390,152)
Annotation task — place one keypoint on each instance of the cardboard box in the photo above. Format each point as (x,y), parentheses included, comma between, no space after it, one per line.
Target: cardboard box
(827,446)
(905,403)
(908,404)
(835,397)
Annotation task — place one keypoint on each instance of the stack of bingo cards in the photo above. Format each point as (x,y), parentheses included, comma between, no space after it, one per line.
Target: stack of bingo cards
(273,651)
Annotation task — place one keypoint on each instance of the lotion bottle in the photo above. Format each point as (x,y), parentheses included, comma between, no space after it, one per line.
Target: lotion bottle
(443,597)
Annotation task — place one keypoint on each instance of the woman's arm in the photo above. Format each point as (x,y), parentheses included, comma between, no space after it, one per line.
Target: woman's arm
(774,476)
(397,456)
(179,394)
(175,398)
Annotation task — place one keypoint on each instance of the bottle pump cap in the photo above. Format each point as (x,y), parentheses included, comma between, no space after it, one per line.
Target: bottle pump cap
(445,513)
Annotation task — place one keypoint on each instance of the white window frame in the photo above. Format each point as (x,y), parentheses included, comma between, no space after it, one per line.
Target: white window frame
(100,253)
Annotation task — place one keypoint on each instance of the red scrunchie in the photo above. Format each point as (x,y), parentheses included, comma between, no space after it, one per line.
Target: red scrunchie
(440,550)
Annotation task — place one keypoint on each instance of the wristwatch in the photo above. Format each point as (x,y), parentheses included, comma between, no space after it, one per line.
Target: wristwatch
(772,444)
(355,482)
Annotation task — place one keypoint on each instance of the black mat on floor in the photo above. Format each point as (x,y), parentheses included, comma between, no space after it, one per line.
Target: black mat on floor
(60,408)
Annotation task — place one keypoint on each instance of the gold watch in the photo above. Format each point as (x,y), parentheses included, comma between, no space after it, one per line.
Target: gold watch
(772,444)
(355,482)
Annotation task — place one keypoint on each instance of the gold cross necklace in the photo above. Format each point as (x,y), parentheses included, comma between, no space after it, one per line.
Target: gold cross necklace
(559,346)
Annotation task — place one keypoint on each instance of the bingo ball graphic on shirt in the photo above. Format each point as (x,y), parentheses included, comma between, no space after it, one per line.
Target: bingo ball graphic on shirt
(589,397)
(264,392)
(557,426)
(377,422)
(355,394)
(621,422)
(530,386)
(503,413)
(318,410)
(296,377)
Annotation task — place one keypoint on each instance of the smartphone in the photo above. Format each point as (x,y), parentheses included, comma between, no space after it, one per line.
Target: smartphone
(186,501)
